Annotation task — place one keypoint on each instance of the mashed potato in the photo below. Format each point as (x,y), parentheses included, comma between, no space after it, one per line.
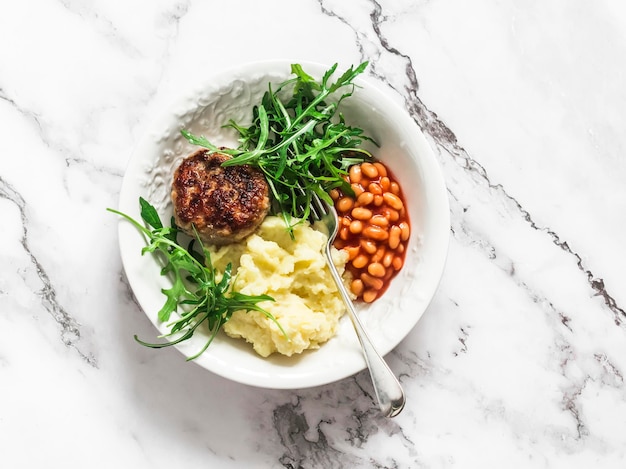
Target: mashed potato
(307,304)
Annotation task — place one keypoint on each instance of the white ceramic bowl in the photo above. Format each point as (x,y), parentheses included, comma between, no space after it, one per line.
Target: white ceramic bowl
(403,148)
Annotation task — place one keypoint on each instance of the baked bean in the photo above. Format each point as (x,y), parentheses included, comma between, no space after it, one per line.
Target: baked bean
(379,220)
(369,170)
(372,281)
(405,231)
(357,188)
(356,226)
(365,198)
(355,173)
(361,213)
(360,261)
(375,232)
(380,253)
(390,214)
(376,269)
(344,204)
(340,243)
(369,295)
(374,228)
(394,237)
(368,246)
(353,251)
(393,200)
(387,260)
(357,287)
(382,170)
(375,188)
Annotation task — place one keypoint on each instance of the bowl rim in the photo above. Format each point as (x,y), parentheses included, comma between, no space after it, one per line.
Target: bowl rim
(436,183)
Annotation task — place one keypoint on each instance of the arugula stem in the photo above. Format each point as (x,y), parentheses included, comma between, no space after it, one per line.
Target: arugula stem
(302,143)
(214,303)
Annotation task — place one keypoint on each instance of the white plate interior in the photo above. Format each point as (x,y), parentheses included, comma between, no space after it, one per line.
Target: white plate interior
(403,149)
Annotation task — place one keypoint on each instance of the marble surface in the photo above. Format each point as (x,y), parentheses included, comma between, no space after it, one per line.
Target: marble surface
(519,360)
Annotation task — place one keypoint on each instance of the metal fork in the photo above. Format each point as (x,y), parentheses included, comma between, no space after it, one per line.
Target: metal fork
(388,390)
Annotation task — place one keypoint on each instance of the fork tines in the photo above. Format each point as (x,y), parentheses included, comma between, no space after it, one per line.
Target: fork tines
(319,208)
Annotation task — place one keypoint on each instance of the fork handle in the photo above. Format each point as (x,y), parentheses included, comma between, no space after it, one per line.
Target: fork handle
(391,398)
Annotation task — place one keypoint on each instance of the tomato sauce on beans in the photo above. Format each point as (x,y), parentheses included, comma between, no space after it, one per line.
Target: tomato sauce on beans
(374,228)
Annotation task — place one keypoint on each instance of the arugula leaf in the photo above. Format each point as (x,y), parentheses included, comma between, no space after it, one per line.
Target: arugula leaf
(302,144)
(149,214)
(195,292)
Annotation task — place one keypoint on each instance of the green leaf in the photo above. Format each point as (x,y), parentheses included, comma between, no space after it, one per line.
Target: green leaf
(193,283)
(304,77)
(301,142)
(149,214)
(200,141)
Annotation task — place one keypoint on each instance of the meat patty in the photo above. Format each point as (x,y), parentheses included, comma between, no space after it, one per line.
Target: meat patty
(225,204)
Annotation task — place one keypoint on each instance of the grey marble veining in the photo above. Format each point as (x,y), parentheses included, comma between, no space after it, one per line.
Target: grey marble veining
(518,362)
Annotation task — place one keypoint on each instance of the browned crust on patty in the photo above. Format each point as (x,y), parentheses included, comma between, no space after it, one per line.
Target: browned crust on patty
(225,204)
